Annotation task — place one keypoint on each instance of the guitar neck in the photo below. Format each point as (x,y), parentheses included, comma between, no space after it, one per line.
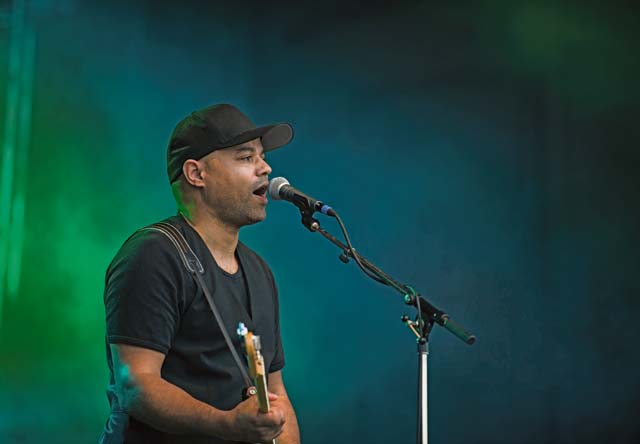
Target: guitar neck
(262,394)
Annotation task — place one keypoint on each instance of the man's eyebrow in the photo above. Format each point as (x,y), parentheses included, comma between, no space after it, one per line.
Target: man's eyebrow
(244,149)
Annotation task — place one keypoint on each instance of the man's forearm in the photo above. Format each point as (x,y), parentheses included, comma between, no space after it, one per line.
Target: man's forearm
(168,408)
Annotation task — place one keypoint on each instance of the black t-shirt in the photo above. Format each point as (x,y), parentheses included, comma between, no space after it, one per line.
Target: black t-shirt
(236,285)
(152,301)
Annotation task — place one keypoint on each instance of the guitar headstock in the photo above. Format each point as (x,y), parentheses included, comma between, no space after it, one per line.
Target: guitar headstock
(252,347)
(255,360)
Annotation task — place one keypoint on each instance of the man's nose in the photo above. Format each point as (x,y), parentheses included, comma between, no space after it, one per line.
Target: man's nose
(264,168)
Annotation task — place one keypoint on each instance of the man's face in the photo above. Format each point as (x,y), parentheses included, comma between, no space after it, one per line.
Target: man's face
(235,183)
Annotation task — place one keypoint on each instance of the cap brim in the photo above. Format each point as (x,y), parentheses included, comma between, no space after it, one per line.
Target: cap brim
(276,136)
(272,136)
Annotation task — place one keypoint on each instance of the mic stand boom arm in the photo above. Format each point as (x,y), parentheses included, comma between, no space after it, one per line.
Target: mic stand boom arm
(429,311)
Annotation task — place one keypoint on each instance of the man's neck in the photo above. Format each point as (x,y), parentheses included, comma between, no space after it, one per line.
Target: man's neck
(220,238)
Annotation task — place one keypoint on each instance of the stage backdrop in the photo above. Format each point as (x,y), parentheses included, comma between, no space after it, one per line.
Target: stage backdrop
(484,152)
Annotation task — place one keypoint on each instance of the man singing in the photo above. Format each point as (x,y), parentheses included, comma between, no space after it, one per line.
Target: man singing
(173,378)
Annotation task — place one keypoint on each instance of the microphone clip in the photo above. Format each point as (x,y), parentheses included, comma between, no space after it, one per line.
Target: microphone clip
(306,212)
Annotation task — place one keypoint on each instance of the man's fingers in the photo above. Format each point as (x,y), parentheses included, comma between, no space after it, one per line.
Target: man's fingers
(272,396)
(274,420)
(273,430)
(278,415)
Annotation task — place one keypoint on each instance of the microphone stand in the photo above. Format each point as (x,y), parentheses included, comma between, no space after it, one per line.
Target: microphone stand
(427,314)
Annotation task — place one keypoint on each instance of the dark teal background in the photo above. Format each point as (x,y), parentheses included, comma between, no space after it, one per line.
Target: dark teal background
(484,152)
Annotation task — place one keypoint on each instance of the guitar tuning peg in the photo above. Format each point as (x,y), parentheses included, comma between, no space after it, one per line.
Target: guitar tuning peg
(242,329)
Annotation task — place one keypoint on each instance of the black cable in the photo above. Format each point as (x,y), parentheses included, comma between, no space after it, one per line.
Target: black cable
(382,279)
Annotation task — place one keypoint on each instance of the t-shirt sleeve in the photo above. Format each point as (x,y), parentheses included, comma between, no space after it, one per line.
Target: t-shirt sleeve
(142,293)
(278,359)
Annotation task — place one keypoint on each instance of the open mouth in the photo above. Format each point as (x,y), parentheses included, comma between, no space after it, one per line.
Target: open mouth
(262,191)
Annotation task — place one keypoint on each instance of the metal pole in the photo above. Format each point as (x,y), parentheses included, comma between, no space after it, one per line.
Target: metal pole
(423,419)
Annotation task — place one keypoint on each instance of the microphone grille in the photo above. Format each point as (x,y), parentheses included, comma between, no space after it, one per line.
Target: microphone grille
(274,187)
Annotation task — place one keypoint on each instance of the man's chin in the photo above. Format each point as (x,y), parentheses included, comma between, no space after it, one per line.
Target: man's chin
(255,218)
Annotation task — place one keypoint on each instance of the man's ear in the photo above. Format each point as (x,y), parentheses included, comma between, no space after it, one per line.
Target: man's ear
(192,170)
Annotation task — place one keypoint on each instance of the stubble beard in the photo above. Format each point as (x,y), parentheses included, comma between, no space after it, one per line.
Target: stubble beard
(238,212)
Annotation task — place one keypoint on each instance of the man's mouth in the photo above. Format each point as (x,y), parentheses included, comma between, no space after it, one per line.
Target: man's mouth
(261,191)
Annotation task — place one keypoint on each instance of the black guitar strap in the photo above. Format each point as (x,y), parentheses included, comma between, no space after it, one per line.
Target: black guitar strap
(194,266)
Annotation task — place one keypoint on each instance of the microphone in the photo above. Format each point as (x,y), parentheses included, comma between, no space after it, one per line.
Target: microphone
(280,189)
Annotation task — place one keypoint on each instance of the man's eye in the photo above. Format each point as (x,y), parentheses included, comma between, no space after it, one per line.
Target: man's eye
(246,158)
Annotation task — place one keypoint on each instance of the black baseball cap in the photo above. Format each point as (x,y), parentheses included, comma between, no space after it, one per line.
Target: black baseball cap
(216,127)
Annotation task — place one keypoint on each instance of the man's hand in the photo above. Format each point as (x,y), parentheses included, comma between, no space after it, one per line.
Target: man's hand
(248,424)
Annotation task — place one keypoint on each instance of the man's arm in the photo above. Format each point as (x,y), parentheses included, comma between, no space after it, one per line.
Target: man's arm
(290,432)
(145,395)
